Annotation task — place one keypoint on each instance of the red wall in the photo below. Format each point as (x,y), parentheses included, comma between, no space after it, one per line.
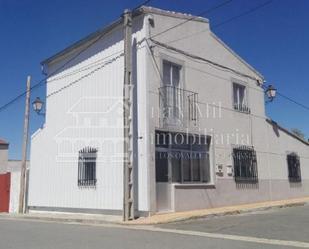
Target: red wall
(5,183)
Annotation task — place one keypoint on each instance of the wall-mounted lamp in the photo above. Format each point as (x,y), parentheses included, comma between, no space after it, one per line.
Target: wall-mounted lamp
(37,105)
(270,93)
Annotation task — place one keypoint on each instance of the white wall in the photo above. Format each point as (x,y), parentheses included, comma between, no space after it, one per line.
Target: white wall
(214,88)
(88,113)
(14,167)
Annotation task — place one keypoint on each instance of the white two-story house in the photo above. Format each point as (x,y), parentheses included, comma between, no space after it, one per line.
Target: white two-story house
(200,135)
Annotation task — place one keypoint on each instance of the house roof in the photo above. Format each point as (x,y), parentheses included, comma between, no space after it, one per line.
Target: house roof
(273,123)
(3,142)
(111,26)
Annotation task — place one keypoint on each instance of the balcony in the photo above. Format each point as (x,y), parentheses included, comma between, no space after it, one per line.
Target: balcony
(242,108)
(178,107)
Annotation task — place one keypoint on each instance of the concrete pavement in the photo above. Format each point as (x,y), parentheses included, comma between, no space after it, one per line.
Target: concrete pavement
(39,235)
(275,228)
(194,214)
(157,218)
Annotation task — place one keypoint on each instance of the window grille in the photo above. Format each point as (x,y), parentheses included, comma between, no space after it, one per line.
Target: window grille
(87,167)
(294,167)
(245,164)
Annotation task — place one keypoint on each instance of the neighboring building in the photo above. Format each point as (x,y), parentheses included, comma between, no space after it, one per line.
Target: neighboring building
(9,180)
(186,87)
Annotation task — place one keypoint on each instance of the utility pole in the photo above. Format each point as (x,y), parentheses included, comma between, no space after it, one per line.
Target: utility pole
(21,208)
(128,195)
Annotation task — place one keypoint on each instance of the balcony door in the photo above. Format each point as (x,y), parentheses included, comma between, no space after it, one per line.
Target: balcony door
(172,93)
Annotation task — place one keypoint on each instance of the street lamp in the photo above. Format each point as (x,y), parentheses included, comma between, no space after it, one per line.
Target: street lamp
(37,105)
(270,93)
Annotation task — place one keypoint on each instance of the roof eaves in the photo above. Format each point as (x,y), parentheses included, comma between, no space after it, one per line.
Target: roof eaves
(237,56)
(272,122)
(79,43)
(3,142)
(108,28)
(152,10)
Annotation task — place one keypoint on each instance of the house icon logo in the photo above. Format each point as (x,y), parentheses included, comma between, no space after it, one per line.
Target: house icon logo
(98,122)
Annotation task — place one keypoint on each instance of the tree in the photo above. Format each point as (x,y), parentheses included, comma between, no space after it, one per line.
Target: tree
(298,133)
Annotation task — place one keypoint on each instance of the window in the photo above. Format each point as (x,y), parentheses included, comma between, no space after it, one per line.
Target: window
(87,167)
(245,164)
(173,97)
(240,98)
(294,167)
(182,158)
(171,74)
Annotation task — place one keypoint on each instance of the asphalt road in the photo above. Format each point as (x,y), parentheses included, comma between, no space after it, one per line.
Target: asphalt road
(269,229)
(291,223)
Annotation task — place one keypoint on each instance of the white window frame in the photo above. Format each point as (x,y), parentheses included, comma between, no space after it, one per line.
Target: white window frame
(175,117)
(237,106)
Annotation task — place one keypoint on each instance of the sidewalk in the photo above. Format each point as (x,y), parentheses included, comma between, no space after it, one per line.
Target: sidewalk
(195,214)
(157,218)
(66,217)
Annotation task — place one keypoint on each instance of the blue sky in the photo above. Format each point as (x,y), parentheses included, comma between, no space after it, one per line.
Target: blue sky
(274,39)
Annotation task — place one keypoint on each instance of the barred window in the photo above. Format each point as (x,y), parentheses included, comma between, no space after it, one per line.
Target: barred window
(87,167)
(245,164)
(294,167)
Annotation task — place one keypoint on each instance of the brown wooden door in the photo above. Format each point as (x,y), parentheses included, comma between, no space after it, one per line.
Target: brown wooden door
(5,183)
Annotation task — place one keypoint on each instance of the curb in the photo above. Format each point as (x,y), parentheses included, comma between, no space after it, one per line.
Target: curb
(240,210)
(97,220)
(59,219)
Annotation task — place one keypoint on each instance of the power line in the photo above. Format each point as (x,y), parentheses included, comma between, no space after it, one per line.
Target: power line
(293,101)
(202,59)
(192,18)
(43,81)
(223,23)
(243,14)
(84,68)
(84,76)
(3,107)
(144,3)
(222,67)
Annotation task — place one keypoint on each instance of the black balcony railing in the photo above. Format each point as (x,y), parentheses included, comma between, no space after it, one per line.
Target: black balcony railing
(178,107)
(242,108)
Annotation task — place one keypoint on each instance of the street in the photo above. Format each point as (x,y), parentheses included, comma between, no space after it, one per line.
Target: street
(274,228)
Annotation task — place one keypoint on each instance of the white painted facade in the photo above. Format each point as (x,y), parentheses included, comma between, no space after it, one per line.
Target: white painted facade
(84,108)
(90,115)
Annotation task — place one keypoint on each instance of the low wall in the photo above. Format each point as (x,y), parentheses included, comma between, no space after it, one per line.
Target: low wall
(226,193)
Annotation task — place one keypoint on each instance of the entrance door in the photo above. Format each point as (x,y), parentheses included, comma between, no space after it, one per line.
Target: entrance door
(5,183)
(163,187)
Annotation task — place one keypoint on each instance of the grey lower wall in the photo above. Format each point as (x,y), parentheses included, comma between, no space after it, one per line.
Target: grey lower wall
(227,192)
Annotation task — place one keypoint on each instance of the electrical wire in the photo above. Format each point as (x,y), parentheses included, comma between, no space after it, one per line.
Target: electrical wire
(84,68)
(222,23)
(193,18)
(142,4)
(293,101)
(43,81)
(243,14)
(224,68)
(84,76)
(164,45)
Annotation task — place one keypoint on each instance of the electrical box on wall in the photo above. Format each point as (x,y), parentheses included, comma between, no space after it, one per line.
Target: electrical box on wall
(219,169)
(229,170)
